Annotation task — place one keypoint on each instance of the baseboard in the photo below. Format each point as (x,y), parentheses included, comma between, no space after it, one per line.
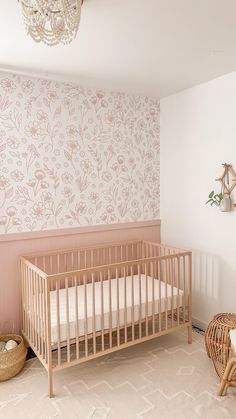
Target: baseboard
(199,324)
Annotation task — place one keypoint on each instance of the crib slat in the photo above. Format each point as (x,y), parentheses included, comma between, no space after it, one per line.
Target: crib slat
(85,314)
(22,295)
(92,257)
(178,287)
(102,309)
(172,290)
(99,259)
(118,308)
(85,258)
(32,306)
(49,338)
(76,318)
(125,304)
(159,265)
(140,302)
(40,314)
(44,264)
(58,263)
(51,267)
(58,323)
(110,309)
(184,288)
(103,256)
(47,321)
(132,298)
(43,322)
(189,256)
(94,318)
(143,251)
(29,303)
(24,307)
(73,267)
(26,300)
(146,305)
(110,297)
(43,318)
(64,266)
(153,298)
(37,311)
(166,295)
(67,321)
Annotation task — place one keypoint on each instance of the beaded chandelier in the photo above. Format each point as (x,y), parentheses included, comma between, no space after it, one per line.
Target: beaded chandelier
(51,21)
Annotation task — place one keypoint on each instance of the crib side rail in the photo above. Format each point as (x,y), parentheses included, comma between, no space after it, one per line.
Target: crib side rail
(159,249)
(35,309)
(129,263)
(52,262)
(81,258)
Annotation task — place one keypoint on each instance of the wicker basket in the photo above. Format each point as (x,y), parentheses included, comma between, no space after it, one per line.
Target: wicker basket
(12,361)
(217,340)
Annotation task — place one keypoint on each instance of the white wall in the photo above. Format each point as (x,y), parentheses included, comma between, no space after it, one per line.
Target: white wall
(198,133)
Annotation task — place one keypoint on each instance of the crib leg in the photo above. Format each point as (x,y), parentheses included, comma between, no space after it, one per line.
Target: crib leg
(190,334)
(50,383)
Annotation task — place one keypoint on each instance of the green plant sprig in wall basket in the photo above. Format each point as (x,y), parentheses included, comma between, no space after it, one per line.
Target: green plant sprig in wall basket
(214,199)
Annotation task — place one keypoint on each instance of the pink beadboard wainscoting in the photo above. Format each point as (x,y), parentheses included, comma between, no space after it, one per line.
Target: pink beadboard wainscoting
(14,245)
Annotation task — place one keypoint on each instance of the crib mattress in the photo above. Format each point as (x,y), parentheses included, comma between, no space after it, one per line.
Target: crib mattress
(162,301)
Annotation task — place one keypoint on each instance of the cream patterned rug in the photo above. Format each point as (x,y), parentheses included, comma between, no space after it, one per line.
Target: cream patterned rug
(164,378)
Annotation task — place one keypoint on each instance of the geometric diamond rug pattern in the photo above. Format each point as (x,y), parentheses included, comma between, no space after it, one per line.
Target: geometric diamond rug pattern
(164,378)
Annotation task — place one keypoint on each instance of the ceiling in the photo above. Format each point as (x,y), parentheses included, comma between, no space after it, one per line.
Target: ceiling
(153,47)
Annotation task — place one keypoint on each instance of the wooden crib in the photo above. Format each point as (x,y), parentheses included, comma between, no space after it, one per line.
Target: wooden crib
(83,303)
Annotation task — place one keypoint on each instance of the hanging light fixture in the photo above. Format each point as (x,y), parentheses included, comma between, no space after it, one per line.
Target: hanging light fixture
(51,21)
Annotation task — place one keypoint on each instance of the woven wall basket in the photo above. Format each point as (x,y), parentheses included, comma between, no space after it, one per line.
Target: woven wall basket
(12,361)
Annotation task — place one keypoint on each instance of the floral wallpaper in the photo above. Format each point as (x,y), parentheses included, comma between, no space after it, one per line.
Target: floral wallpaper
(72,156)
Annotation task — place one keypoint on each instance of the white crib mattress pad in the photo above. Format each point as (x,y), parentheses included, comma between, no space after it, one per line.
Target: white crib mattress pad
(165,298)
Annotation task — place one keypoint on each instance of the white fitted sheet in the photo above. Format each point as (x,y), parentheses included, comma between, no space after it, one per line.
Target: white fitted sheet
(165,304)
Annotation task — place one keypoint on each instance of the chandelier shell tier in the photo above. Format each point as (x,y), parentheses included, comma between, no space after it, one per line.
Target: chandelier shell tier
(51,21)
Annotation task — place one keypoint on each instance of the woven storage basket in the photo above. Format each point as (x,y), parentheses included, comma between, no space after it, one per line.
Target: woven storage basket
(12,361)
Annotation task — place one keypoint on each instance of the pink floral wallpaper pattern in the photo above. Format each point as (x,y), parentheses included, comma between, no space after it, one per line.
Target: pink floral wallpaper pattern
(72,156)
